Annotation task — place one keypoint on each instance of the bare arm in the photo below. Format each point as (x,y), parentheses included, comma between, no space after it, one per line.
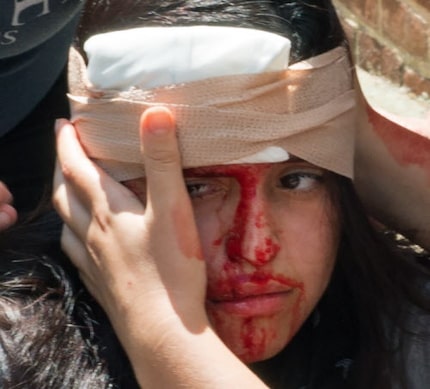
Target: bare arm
(141,264)
(393,171)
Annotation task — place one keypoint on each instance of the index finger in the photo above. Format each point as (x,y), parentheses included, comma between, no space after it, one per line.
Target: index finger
(75,167)
(92,185)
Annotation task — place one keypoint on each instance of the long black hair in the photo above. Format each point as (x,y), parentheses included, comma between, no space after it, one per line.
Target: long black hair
(387,280)
(52,332)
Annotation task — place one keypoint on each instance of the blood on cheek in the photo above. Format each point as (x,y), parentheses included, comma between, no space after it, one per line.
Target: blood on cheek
(256,333)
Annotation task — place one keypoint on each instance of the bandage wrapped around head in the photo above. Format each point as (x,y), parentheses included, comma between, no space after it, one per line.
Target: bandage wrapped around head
(234,96)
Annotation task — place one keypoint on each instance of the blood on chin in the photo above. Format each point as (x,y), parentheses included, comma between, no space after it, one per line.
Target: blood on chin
(253,339)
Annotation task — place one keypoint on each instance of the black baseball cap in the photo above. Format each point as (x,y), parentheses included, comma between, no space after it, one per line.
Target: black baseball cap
(35,36)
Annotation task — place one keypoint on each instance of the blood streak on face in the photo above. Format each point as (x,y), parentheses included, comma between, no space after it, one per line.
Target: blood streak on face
(250,210)
(256,304)
(269,237)
(269,251)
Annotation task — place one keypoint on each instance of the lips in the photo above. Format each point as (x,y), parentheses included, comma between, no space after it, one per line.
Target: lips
(255,305)
(241,291)
(251,295)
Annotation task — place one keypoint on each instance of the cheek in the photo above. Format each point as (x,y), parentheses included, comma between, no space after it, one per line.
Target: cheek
(308,239)
(212,220)
(312,251)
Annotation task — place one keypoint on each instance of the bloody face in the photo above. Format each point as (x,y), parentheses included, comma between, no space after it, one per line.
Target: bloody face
(269,234)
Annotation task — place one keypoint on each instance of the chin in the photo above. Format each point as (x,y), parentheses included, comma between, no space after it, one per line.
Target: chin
(253,339)
(251,356)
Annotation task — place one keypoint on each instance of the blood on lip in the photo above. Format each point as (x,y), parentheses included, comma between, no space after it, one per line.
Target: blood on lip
(238,286)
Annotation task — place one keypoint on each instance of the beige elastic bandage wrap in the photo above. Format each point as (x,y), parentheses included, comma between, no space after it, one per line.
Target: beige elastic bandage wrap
(307,109)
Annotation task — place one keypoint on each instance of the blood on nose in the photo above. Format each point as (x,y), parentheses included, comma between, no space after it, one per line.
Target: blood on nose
(251,238)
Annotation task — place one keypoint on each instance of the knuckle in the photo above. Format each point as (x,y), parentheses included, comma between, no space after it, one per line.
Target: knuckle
(162,160)
(66,170)
(58,199)
(101,220)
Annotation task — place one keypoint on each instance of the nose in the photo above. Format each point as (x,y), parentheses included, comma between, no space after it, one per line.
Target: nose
(252,237)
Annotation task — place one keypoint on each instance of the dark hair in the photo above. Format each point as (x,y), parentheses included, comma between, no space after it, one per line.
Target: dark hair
(312,26)
(52,332)
(387,278)
(379,284)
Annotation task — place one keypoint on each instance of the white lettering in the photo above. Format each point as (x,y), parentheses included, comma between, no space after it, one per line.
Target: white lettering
(8,38)
(22,5)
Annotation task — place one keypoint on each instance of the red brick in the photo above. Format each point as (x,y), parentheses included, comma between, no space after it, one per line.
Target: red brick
(393,20)
(371,13)
(366,9)
(415,82)
(416,35)
(405,28)
(392,65)
(404,25)
(423,3)
(356,6)
(369,53)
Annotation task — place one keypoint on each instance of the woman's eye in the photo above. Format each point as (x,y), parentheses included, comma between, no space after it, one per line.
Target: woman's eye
(198,189)
(205,188)
(302,181)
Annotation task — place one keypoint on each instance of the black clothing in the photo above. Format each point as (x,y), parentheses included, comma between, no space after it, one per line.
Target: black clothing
(35,37)
(34,42)
(27,154)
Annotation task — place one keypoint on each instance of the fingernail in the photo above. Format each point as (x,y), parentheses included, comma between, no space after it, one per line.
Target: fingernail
(158,120)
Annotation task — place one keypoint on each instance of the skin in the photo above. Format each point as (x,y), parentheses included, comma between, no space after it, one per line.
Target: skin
(166,304)
(392,171)
(148,274)
(269,236)
(132,259)
(8,214)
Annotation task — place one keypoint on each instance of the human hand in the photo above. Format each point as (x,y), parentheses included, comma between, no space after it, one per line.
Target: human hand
(140,263)
(8,214)
(144,264)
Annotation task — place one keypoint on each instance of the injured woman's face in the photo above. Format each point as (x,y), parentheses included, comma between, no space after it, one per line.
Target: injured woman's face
(269,231)
(270,235)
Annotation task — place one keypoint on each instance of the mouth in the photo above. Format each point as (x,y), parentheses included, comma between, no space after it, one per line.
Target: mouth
(263,304)
(256,294)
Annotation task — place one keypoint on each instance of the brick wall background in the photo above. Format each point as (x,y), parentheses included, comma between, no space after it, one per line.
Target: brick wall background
(390,38)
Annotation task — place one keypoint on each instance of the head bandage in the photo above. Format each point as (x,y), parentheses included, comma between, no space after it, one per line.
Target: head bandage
(234,97)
